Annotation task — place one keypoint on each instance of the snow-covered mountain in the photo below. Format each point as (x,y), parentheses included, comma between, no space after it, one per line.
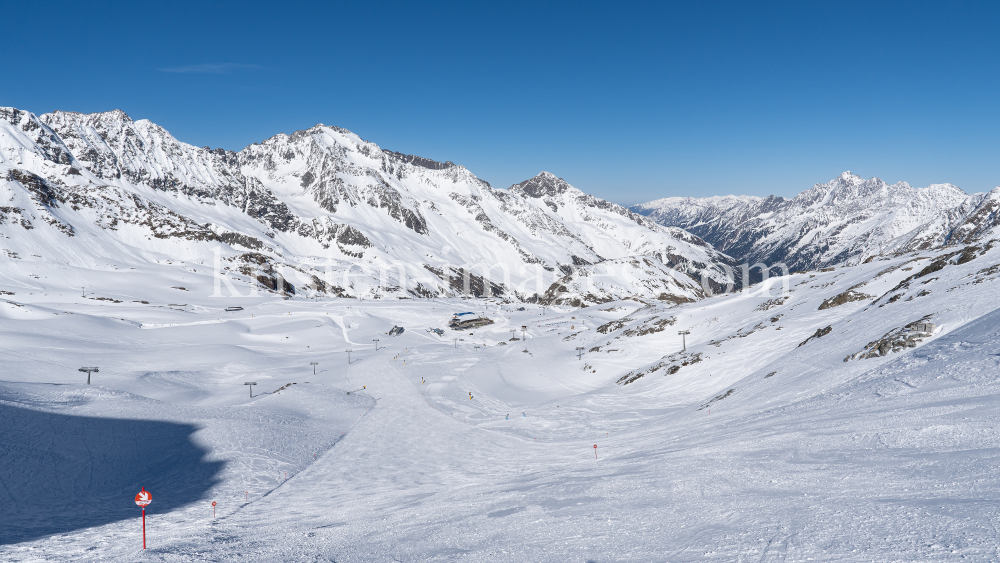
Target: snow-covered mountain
(843,414)
(319,209)
(845,221)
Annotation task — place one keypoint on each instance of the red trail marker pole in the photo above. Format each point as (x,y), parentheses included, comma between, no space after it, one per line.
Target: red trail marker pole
(595,451)
(143,499)
(213,509)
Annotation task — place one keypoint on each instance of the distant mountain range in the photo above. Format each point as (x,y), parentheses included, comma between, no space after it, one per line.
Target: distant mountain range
(322,211)
(845,221)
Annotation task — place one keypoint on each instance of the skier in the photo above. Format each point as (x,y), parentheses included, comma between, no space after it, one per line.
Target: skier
(507,417)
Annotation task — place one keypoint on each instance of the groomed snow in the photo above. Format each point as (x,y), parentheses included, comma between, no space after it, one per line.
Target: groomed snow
(809,457)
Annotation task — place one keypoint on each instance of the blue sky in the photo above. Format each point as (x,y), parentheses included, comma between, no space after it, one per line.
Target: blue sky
(629,103)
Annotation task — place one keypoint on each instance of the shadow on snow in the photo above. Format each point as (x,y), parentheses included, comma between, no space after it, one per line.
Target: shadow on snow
(60,473)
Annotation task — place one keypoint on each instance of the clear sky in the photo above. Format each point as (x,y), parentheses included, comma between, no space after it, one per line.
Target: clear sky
(628,101)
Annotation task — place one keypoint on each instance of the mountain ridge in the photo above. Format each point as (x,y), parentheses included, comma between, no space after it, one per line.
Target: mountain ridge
(841,222)
(324,205)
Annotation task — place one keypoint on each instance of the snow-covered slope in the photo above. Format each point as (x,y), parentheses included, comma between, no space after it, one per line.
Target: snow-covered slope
(320,210)
(824,421)
(639,278)
(610,229)
(844,221)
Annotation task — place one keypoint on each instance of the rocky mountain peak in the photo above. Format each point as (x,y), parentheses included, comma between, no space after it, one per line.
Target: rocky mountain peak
(846,179)
(541,185)
(115,119)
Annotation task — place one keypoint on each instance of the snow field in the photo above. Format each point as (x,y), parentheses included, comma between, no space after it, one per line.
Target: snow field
(886,459)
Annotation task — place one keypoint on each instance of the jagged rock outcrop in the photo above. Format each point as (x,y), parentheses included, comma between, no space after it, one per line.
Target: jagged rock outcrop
(896,340)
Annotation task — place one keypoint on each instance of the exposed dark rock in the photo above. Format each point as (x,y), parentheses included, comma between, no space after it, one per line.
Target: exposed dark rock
(845,297)
(772,303)
(718,398)
(245,241)
(464,282)
(821,332)
(671,364)
(41,191)
(652,326)
(896,340)
(611,326)
(421,161)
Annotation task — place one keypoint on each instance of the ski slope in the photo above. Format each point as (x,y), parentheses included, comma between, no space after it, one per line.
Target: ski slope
(809,457)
